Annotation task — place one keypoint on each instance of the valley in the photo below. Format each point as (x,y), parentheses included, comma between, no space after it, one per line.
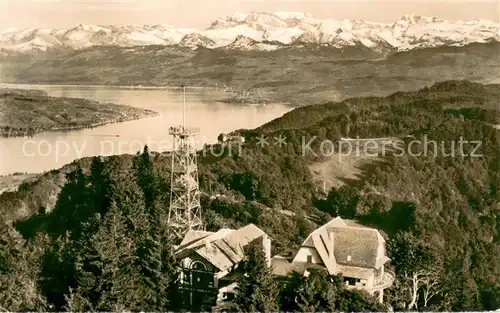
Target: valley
(298,77)
(262,57)
(338,165)
(434,206)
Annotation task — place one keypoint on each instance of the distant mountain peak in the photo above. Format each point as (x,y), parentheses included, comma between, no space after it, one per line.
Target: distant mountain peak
(252,30)
(194,40)
(242,42)
(243,39)
(293,15)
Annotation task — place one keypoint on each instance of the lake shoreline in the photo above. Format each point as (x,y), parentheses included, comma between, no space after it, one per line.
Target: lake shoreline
(30,111)
(141,87)
(235,99)
(33,133)
(50,150)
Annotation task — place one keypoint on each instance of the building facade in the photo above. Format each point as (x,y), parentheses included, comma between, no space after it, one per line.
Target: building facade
(343,247)
(208,260)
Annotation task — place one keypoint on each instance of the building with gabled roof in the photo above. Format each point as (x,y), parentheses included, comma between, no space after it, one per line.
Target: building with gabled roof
(208,259)
(343,247)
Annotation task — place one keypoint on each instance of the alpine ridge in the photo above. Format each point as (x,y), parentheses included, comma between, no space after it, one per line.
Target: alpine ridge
(263,32)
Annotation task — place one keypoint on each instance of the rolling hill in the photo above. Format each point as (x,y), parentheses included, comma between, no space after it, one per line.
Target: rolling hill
(444,203)
(298,76)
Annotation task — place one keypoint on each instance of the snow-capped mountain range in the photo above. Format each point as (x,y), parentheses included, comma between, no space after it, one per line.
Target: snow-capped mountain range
(263,31)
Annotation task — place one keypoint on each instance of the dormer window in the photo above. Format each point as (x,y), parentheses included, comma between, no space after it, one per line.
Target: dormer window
(309,259)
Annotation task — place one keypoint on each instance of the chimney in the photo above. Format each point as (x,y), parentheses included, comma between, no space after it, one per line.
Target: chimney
(349,259)
(332,249)
(266,246)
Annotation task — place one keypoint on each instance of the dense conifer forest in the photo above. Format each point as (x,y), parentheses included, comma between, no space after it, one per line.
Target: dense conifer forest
(92,236)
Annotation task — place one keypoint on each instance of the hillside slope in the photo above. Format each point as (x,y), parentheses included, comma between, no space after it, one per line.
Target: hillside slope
(298,76)
(25,112)
(439,208)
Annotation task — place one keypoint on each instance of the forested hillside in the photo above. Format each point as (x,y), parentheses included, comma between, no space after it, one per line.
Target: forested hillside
(302,76)
(92,235)
(26,112)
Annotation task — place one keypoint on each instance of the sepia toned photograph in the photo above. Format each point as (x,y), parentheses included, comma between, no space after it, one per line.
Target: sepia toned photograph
(249,156)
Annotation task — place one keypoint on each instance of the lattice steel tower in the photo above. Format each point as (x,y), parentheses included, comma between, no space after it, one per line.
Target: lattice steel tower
(185,209)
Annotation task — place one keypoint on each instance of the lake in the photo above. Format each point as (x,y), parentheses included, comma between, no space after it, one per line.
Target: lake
(50,150)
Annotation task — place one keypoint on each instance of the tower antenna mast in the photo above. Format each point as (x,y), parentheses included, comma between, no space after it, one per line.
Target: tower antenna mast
(183,106)
(185,210)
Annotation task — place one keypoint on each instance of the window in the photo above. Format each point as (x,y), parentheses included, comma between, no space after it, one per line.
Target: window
(309,259)
(228,296)
(350,281)
(199,266)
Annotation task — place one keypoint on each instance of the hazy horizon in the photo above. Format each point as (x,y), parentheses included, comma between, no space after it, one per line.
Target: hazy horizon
(199,14)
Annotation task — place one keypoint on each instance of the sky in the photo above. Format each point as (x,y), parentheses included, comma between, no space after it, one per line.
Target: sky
(200,13)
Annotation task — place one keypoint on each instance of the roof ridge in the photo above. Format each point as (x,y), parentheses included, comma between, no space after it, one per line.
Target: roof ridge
(193,245)
(357,227)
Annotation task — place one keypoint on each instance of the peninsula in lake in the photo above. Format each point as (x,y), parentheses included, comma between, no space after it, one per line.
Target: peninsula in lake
(26,112)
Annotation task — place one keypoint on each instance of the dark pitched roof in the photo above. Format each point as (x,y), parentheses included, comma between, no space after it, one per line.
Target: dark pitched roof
(354,245)
(192,236)
(357,244)
(222,249)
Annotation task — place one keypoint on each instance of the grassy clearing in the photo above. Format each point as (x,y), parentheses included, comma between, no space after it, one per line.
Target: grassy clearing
(12,182)
(353,165)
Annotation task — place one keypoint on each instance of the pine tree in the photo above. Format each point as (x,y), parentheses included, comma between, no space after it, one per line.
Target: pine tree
(20,268)
(9,245)
(159,272)
(89,266)
(58,271)
(75,302)
(317,293)
(256,289)
(150,263)
(72,207)
(145,176)
(128,197)
(111,260)
(357,301)
(171,271)
(98,191)
(152,186)
(122,266)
